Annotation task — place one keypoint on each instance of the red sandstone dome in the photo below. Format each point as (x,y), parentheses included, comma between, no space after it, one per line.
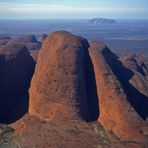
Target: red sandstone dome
(58,88)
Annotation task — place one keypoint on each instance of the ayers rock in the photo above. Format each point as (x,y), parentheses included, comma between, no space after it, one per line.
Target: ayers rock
(16,70)
(63,79)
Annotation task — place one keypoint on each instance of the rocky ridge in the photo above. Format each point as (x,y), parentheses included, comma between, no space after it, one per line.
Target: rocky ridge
(80,90)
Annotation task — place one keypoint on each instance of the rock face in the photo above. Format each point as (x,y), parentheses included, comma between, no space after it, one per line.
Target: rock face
(28,40)
(116,112)
(16,69)
(58,88)
(101,21)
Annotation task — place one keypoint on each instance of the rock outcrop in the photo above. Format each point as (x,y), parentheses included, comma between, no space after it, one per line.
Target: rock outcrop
(25,38)
(137,64)
(81,94)
(101,21)
(28,40)
(16,70)
(59,89)
(116,112)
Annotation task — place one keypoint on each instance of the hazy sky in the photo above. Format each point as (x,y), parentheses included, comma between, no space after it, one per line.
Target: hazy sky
(47,9)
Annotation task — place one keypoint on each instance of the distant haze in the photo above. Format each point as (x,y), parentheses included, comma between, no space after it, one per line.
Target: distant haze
(63,9)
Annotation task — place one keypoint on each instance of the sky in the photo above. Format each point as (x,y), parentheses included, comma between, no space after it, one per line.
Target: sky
(73,9)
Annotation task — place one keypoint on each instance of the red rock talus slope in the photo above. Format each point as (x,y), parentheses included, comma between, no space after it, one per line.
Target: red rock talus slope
(16,70)
(116,113)
(58,88)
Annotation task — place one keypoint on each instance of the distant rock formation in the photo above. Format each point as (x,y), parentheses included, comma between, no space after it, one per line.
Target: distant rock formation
(59,88)
(4,39)
(77,85)
(28,40)
(16,70)
(101,21)
(116,113)
(25,38)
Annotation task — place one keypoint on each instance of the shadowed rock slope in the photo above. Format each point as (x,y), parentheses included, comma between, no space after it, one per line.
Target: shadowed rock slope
(16,70)
(138,65)
(118,112)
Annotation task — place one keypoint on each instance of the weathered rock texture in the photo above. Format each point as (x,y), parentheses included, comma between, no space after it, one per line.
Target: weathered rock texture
(63,84)
(137,64)
(16,70)
(116,112)
(133,62)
